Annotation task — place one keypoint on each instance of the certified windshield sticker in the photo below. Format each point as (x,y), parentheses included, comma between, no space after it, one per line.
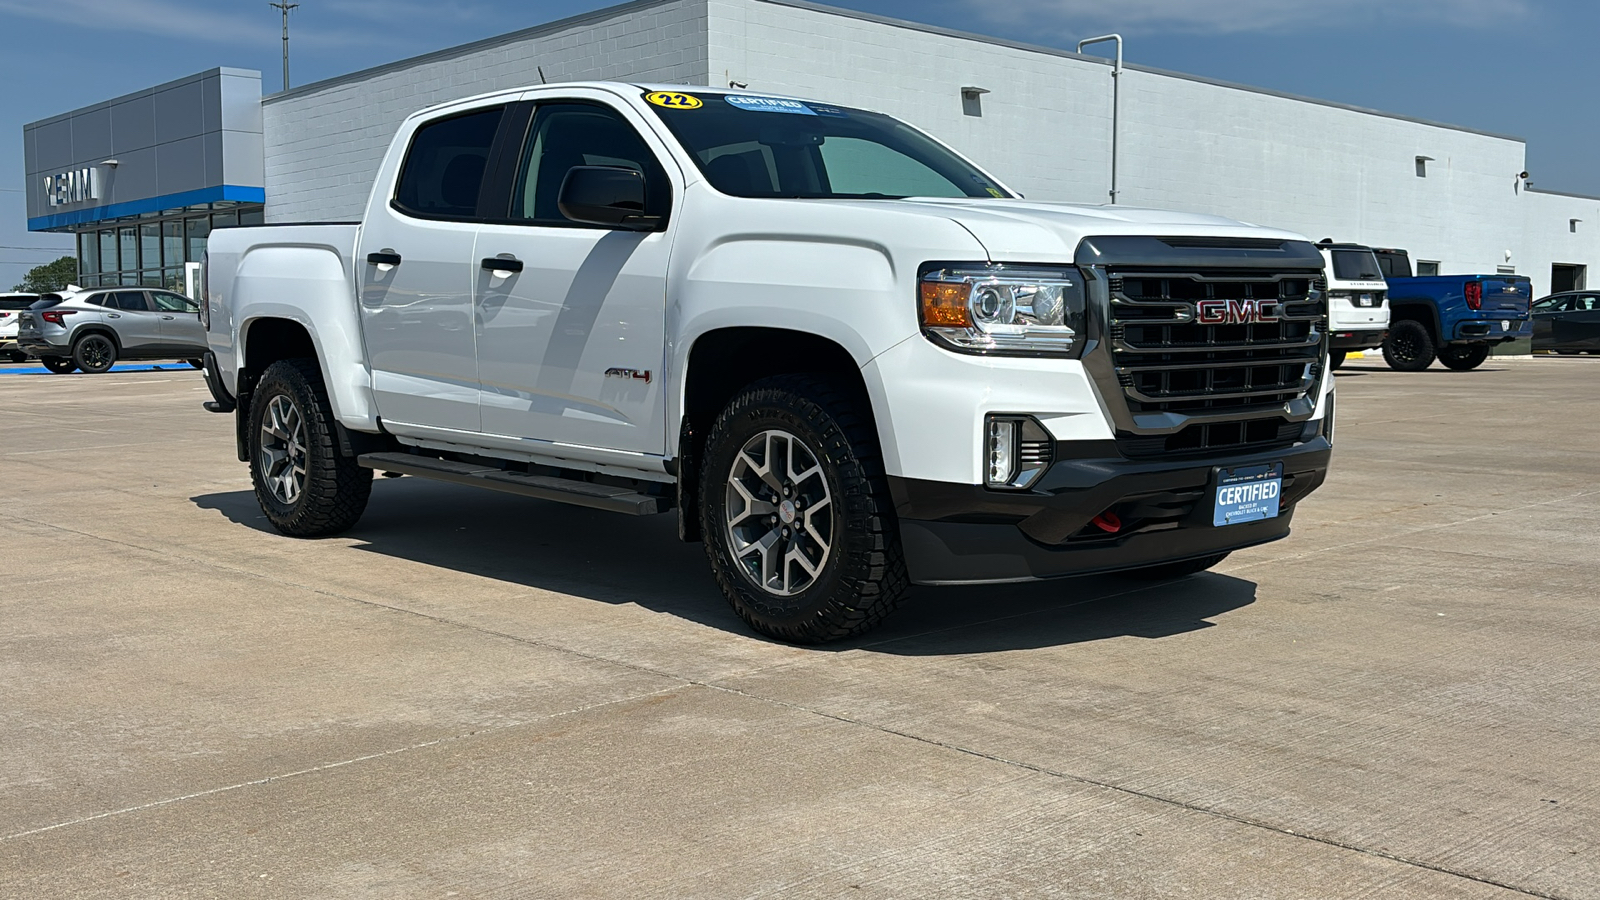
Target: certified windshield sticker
(770,104)
(673,100)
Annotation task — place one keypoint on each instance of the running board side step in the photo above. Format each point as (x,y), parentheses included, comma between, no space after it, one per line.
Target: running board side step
(562,490)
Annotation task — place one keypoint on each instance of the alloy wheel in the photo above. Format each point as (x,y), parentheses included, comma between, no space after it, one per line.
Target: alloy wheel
(779,513)
(96,353)
(283,450)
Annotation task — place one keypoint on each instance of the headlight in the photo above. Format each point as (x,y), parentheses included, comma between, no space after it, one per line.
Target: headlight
(1004,310)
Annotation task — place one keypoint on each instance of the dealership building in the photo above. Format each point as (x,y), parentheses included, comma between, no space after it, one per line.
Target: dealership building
(142,178)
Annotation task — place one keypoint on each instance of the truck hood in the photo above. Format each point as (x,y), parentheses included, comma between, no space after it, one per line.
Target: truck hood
(1037,231)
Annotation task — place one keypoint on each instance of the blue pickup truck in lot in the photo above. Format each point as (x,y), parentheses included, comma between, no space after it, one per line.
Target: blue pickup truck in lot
(1454,318)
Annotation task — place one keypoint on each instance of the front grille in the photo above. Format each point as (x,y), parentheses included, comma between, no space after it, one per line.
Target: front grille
(1167,360)
(1254,434)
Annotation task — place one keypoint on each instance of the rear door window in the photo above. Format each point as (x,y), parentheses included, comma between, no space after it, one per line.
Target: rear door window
(444,167)
(133,301)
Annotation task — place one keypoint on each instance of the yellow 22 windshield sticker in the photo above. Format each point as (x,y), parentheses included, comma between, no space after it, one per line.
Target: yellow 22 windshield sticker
(672,100)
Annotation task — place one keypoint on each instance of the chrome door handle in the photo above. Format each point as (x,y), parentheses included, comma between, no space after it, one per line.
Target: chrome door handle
(167,318)
(113,315)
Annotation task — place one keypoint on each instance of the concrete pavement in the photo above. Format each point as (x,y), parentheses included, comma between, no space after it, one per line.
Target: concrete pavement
(477,695)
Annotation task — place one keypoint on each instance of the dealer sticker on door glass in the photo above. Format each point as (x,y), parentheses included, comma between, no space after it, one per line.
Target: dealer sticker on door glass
(1247,494)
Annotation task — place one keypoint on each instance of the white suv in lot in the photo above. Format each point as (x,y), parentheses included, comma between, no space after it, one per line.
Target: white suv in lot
(11,306)
(1358,314)
(846,357)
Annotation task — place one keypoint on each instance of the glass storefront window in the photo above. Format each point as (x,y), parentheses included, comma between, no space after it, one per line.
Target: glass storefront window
(255,216)
(172,280)
(225,219)
(172,242)
(149,245)
(197,229)
(108,251)
(128,241)
(150,279)
(88,255)
(129,278)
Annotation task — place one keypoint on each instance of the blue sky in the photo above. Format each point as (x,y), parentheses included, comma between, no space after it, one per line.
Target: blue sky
(1522,67)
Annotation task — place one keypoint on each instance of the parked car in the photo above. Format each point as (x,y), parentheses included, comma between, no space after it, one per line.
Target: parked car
(92,329)
(1567,323)
(1358,317)
(10,306)
(847,357)
(1454,318)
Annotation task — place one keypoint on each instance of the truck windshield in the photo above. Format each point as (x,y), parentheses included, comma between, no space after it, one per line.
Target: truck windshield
(751,146)
(1355,265)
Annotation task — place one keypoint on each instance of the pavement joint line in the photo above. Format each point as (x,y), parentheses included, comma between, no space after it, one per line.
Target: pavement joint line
(1418,529)
(956,748)
(1145,795)
(107,447)
(313,770)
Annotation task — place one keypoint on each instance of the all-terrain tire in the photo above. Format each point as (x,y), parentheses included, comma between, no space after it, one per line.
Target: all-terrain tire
(1464,357)
(1409,346)
(94,353)
(863,577)
(332,489)
(59,365)
(1169,571)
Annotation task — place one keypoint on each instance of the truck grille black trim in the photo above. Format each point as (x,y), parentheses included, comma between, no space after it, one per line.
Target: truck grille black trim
(1252,434)
(1166,361)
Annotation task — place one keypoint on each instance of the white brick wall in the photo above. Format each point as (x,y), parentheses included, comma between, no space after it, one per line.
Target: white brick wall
(324,142)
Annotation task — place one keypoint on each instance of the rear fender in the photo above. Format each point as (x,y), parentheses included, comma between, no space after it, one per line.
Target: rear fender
(311,287)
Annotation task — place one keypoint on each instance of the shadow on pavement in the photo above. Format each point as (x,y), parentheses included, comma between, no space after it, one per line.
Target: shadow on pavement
(619,559)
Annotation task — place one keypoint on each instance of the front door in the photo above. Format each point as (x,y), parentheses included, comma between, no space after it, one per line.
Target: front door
(180,322)
(570,346)
(415,269)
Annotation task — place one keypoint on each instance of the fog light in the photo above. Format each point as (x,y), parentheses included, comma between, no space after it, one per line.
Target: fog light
(1002,451)
(1018,450)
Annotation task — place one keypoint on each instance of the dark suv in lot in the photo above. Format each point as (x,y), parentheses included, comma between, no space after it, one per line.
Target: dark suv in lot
(92,329)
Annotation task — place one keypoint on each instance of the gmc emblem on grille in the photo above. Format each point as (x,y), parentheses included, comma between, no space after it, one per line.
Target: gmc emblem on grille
(1235,312)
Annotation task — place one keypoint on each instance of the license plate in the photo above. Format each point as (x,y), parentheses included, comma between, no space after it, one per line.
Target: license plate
(1247,494)
(1366,299)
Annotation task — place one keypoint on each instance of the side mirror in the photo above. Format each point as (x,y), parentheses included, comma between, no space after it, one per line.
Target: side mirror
(605,195)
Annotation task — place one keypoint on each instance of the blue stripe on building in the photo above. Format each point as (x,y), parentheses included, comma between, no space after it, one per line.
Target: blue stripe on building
(236,193)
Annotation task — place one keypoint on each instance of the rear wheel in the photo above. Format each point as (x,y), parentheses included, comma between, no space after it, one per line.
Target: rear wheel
(796,512)
(1464,357)
(1169,571)
(95,353)
(304,485)
(195,364)
(1336,359)
(17,356)
(60,365)
(1409,346)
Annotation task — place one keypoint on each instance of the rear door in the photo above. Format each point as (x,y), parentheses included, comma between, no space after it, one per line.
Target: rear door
(180,321)
(415,273)
(136,323)
(1584,323)
(1546,313)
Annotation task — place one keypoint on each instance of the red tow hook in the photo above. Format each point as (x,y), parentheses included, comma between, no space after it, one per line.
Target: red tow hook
(1107,522)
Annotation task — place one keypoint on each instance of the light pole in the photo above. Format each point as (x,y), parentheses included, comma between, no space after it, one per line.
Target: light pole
(1116,81)
(286,6)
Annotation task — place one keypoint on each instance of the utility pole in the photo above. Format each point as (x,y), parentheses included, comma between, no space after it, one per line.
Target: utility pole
(285,6)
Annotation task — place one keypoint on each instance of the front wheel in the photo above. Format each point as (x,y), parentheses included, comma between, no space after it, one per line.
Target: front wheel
(1336,359)
(59,365)
(1409,346)
(1464,357)
(95,353)
(796,512)
(303,483)
(1169,571)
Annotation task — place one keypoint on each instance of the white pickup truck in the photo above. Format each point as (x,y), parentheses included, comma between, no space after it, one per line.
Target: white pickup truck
(847,357)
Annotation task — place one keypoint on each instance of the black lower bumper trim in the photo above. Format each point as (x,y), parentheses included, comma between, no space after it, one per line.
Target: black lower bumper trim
(964,534)
(1360,340)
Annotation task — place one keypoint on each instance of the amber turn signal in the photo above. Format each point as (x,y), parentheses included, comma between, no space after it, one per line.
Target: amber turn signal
(944,304)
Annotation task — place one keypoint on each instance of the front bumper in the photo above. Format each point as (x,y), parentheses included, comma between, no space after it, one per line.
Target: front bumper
(966,534)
